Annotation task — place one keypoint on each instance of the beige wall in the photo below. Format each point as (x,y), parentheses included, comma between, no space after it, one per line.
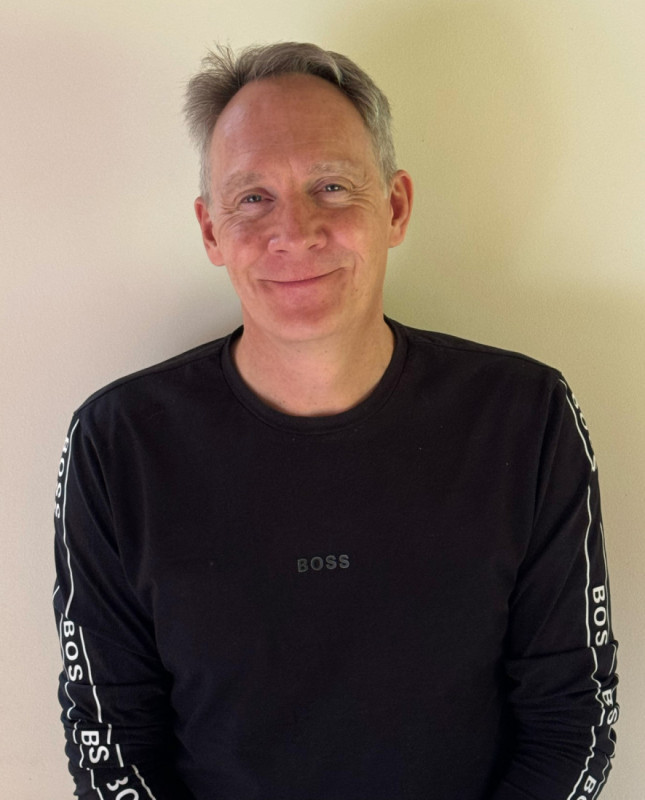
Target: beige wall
(523,124)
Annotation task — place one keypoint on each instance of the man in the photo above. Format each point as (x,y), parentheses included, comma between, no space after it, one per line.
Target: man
(328,556)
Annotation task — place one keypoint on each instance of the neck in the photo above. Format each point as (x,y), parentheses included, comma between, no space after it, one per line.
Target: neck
(315,378)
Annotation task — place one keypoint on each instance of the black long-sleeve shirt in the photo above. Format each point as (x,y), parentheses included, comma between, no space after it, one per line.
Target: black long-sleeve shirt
(405,600)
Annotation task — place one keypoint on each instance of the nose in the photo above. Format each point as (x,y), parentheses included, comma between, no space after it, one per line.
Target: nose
(297,225)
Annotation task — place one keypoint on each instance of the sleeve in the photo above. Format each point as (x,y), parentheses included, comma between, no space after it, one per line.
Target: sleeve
(114,691)
(561,654)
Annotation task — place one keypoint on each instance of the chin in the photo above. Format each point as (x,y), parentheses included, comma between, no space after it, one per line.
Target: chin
(301,326)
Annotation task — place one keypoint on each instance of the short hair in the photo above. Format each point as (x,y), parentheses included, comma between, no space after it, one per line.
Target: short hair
(223,74)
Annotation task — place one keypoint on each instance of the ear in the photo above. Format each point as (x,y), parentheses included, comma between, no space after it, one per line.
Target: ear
(401,194)
(206,224)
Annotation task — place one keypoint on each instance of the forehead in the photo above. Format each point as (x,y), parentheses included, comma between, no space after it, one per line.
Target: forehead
(293,115)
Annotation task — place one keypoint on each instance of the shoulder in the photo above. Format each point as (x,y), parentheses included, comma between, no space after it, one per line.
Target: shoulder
(456,359)
(169,383)
(456,348)
(513,393)
(509,387)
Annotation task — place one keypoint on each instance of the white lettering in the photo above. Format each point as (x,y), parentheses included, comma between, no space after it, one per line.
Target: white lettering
(598,594)
(590,784)
(344,561)
(71,651)
(101,753)
(600,616)
(130,793)
(59,485)
(602,637)
(90,738)
(75,672)
(68,628)
(317,563)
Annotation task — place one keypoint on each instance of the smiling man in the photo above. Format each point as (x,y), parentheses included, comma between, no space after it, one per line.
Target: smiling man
(302,216)
(328,557)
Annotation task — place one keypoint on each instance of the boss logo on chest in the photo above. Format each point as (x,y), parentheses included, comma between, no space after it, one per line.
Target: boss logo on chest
(319,563)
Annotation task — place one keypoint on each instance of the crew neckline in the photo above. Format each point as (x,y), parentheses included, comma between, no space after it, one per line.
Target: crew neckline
(323,424)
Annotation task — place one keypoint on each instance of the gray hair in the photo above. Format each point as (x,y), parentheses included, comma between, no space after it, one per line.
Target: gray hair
(223,74)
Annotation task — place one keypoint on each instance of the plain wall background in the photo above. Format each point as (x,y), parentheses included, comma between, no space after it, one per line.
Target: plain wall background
(523,126)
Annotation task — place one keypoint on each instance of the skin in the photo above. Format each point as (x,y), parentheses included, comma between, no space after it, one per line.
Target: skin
(303,222)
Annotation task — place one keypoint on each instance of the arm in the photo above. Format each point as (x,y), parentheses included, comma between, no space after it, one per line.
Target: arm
(561,655)
(113,689)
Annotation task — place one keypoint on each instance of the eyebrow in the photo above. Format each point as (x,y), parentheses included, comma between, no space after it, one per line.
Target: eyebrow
(240,180)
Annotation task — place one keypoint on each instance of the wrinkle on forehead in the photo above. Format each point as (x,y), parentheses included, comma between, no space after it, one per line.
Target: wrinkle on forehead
(300,126)
(342,165)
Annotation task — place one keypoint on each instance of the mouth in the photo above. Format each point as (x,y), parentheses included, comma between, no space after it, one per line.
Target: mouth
(300,282)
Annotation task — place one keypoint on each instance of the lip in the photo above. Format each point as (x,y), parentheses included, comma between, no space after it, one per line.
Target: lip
(300,282)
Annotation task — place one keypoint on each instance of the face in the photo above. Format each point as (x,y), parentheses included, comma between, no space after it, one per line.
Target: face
(299,212)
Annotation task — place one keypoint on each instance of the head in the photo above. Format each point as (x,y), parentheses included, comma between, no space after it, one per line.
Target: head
(224,74)
(296,202)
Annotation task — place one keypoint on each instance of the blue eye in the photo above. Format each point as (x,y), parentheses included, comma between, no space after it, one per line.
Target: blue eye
(252,198)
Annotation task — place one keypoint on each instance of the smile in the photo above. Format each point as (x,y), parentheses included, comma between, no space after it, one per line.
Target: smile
(300,283)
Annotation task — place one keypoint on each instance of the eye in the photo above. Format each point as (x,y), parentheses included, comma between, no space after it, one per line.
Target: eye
(250,199)
(333,187)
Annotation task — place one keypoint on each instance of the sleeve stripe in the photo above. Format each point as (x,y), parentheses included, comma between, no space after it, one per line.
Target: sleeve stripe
(69,556)
(87,661)
(99,710)
(60,637)
(576,416)
(602,782)
(143,783)
(607,595)
(71,699)
(94,786)
(585,770)
(588,561)
(65,616)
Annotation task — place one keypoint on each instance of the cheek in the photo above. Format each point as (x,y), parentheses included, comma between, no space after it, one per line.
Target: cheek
(367,242)
(238,241)
(365,228)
